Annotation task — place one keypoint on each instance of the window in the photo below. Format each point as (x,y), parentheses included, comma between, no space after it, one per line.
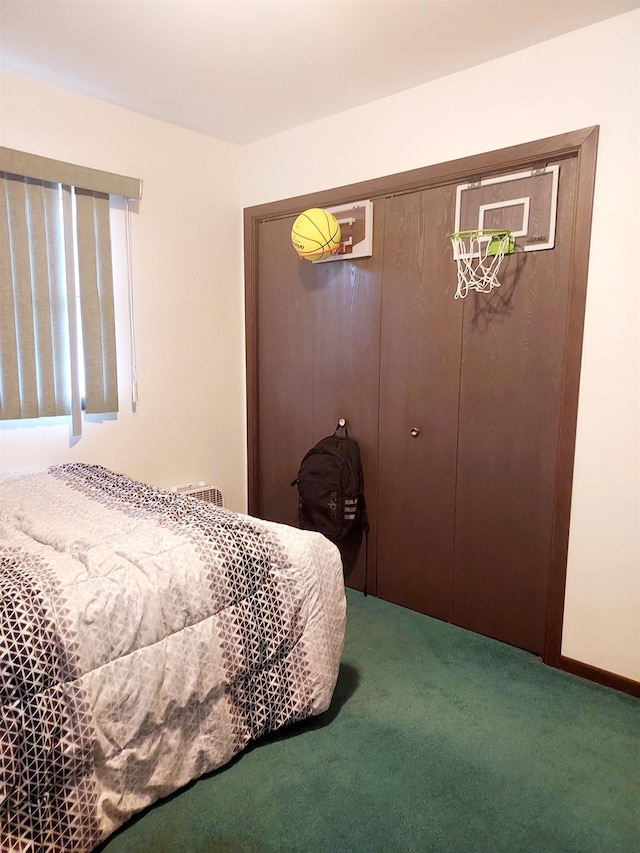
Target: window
(56,291)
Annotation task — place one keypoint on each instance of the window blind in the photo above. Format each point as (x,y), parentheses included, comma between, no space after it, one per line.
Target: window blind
(54,238)
(68,174)
(33,335)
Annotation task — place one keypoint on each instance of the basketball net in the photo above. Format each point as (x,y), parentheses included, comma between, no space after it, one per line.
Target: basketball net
(478,255)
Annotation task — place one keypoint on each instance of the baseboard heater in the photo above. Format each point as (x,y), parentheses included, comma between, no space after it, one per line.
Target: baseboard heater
(201,491)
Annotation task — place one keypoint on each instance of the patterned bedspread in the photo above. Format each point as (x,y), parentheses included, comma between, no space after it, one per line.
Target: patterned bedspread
(145,639)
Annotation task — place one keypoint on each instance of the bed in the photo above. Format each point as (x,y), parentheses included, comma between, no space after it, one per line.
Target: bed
(146,638)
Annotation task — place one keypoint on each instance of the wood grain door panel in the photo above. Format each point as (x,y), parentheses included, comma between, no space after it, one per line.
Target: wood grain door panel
(285,389)
(419,378)
(510,402)
(346,296)
(318,352)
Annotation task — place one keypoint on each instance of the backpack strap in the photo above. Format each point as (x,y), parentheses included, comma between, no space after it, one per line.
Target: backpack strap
(365,527)
(342,425)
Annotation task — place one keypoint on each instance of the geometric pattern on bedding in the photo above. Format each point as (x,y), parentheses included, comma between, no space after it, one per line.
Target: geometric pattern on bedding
(45,732)
(92,733)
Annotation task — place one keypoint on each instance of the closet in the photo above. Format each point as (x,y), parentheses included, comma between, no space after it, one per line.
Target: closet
(464,409)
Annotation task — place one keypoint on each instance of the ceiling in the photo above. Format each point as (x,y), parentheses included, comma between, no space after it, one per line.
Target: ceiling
(242,70)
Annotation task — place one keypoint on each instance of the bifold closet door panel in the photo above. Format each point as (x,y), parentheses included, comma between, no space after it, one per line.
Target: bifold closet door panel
(285,370)
(510,400)
(318,361)
(419,380)
(346,358)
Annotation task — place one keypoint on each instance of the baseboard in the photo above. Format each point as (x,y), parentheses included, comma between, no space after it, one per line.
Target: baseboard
(600,676)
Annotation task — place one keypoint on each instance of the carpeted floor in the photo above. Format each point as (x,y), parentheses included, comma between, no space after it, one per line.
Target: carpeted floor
(437,740)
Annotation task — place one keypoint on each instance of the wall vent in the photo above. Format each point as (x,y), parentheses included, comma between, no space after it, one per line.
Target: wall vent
(201,491)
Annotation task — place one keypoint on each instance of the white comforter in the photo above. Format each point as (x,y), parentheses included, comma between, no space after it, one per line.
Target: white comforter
(146,638)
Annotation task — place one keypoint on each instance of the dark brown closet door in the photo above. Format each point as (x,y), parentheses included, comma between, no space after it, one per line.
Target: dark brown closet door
(419,385)
(318,356)
(471,515)
(510,403)
(466,505)
(285,354)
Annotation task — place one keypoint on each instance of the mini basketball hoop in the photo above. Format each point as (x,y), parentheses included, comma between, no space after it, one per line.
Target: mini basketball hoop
(478,255)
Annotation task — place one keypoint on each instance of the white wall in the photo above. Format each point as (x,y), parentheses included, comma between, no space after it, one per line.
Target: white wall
(585,78)
(187,259)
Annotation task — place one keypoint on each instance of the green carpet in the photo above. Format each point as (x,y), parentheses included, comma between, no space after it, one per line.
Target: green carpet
(438,739)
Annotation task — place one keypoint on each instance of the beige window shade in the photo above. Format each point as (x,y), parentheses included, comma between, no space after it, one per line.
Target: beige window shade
(40,240)
(68,174)
(33,334)
(96,300)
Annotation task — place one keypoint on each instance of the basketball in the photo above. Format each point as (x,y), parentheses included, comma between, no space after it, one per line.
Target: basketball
(315,234)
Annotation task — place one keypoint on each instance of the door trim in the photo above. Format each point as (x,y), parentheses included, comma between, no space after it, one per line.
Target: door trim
(579,143)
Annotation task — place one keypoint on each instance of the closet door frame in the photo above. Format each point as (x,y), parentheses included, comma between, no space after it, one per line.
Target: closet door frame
(581,144)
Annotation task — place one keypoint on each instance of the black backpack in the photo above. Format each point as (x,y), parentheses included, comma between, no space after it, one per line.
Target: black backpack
(330,485)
